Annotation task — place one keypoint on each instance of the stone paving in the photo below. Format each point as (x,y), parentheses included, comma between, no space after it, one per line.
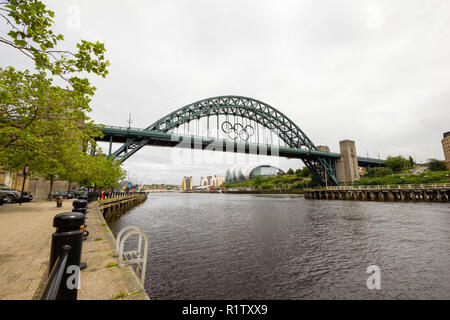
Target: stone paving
(25,248)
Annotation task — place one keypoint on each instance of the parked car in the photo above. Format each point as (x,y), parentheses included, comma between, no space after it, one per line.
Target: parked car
(64,194)
(26,197)
(9,195)
(2,199)
(67,194)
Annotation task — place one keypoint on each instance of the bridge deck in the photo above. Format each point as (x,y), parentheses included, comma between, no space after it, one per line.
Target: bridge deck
(156,138)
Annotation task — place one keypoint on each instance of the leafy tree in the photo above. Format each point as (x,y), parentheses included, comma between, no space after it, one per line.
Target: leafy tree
(411,162)
(436,165)
(398,163)
(303,173)
(290,171)
(44,126)
(30,24)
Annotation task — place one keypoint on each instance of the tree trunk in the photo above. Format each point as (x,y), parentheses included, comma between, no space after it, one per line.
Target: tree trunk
(50,193)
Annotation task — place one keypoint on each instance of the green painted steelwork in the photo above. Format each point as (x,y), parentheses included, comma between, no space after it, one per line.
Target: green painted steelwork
(322,164)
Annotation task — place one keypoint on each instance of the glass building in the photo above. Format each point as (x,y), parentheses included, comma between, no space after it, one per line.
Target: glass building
(242,172)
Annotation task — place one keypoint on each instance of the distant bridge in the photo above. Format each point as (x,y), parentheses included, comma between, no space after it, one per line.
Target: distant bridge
(231,124)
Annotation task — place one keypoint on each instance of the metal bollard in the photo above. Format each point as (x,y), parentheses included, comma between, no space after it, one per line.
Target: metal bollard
(67,232)
(80,205)
(59,201)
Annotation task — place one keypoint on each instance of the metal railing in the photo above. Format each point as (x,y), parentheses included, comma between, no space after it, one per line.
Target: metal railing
(54,280)
(422,186)
(98,195)
(136,257)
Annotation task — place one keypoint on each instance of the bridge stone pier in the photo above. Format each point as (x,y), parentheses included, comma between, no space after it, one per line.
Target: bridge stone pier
(347,165)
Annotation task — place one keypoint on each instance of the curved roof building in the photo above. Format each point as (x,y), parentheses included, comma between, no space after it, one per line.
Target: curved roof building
(241,172)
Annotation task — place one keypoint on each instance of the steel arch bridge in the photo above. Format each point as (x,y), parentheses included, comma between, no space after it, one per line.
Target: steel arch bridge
(243,123)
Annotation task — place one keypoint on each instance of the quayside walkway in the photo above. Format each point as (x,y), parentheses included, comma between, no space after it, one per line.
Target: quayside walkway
(25,249)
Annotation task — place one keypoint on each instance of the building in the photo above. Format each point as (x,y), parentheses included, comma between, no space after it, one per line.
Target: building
(214,181)
(187,183)
(242,172)
(446,146)
(13,179)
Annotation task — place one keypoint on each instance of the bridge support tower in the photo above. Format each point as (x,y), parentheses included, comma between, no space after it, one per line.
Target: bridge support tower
(347,165)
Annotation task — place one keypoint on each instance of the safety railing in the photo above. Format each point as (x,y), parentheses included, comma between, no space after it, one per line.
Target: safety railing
(65,253)
(98,195)
(378,187)
(136,257)
(54,280)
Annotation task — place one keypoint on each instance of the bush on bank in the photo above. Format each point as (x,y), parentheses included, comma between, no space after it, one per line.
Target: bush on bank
(427,177)
(282,182)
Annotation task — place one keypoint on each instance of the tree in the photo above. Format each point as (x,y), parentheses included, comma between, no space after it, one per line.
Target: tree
(411,162)
(44,126)
(397,164)
(290,171)
(30,24)
(436,165)
(30,108)
(303,173)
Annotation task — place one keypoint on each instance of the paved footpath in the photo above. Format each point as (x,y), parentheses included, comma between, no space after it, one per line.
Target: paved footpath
(25,241)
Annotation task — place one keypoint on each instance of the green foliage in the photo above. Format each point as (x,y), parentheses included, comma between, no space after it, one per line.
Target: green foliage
(290,171)
(41,125)
(427,177)
(30,24)
(281,182)
(379,172)
(303,173)
(398,163)
(436,165)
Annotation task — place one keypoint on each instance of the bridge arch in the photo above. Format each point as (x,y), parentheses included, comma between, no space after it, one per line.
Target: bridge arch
(244,107)
(322,166)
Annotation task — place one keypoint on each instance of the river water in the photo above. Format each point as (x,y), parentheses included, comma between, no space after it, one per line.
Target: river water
(230,246)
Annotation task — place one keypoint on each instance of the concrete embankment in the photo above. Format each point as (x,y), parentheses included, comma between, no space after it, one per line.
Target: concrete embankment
(103,279)
(118,205)
(425,193)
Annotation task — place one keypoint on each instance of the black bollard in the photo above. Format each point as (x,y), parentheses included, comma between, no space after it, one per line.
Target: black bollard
(59,201)
(68,233)
(80,205)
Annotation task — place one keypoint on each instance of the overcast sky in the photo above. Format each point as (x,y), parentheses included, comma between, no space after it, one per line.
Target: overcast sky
(377,72)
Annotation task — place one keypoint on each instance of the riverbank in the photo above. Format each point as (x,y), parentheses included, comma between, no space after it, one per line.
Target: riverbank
(401,193)
(264,191)
(25,249)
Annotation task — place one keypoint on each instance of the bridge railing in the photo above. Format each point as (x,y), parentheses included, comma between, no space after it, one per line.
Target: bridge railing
(379,187)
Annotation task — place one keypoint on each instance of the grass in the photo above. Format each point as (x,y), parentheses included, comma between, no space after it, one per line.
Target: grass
(124,294)
(111,265)
(98,239)
(120,295)
(106,230)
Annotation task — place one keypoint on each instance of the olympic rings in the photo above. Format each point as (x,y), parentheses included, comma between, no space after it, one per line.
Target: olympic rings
(238,130)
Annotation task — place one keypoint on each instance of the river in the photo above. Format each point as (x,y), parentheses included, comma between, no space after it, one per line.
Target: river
(232,246)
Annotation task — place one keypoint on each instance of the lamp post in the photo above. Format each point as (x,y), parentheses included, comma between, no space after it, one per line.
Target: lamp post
(25,171)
